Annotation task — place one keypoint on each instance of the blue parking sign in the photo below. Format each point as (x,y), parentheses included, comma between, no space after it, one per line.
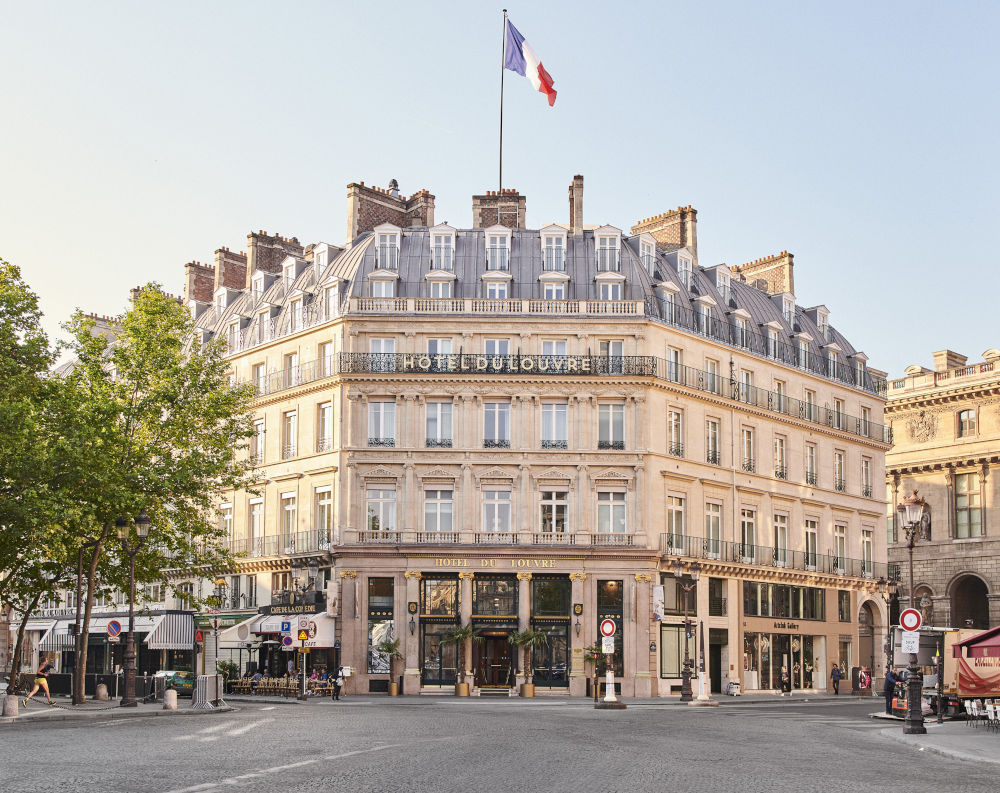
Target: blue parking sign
(286,627)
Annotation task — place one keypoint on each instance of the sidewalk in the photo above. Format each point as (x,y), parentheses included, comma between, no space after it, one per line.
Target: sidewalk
(92,710)
(954,739)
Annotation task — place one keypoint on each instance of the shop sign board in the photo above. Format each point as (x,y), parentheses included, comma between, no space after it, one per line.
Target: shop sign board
(303,623)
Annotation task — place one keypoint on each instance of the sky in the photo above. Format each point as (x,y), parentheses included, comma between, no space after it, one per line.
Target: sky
(862,137)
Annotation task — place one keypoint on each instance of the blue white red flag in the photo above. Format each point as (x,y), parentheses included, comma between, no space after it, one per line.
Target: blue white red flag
(521,58)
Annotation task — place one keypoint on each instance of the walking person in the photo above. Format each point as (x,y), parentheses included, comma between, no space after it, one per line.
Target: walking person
(41,681)
(338,683)
(786,682)
(889,690)
(835,677)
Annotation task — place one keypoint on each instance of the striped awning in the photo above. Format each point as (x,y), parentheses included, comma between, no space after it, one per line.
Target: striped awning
(143,624)
(42,627)
(172,632)
(60,638)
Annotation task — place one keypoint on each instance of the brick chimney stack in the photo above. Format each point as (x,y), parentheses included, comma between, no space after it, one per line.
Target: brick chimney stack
(777,271)
(230,269)
(576,206)
(674,229)
(367,207)
(199,282)
(504,208)
(266,252)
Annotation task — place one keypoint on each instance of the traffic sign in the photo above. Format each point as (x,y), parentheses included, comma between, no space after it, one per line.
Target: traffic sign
(303,635)
(607,644)
(199,637)
(608,627)
(286,626)
(910,642)
(303,623)
(114,628)
(215,622)
(286,641)
(909,619)
(114,639)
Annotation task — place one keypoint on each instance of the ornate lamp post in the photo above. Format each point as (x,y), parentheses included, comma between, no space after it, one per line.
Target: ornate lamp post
(694,570)
(911,515)
(131,547)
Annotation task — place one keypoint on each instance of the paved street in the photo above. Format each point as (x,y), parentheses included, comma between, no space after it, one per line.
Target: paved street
(444,744)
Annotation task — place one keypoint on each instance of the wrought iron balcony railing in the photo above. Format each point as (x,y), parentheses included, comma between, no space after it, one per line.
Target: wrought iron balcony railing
(676,449)
(616,445)
(555,444)
(496,443)
(780,472)
(438,443)
(810,477)
(386,443)
(748,465)
(712,456)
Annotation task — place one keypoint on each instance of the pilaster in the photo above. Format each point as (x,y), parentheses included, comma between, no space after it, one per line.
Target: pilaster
(411,641)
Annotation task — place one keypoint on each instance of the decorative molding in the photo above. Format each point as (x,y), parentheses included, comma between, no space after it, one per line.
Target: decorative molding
(438,473)
(552,473)
(642,578)
(524,576)
(577,576)
(412,574)
(348,573)
(608,473)
(494,473)
(923,427)
(466,575)
(379,473)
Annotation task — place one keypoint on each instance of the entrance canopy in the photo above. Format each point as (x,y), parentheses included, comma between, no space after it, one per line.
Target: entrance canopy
(983,645)
(172,631)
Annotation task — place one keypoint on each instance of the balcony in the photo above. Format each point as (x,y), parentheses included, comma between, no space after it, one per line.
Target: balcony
(282,544)
(381,443)
(555,444)
(525,539)
(780,472)
(676,449)
(770,557)
(438,443)
(614,445)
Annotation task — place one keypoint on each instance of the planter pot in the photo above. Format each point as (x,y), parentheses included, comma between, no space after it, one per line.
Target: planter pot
(527,689)
(461,689)
(393,689)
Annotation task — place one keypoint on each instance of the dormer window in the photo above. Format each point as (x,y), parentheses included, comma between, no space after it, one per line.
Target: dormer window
(772,343)
(610,290)
(607,254)
(220,302)
(383,288)
(440,289)
(647,255)
(723,285)
(859,373)
(553,253)
(823,324)
(742,328)
(257,288)
(788,310)
(803,348)
(295,315)
(496,252)
(554,290)
(684,271)
(442,247)
(387,250)
(831,362)
(704,318)
(233,337)
(496,290)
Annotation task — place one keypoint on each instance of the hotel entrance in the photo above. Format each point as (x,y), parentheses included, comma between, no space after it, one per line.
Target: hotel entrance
(493,658)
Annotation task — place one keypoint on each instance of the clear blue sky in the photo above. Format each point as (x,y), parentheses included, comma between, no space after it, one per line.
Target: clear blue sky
(862,137)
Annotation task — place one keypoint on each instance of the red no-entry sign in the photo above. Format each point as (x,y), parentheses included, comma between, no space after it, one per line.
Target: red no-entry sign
(909,619)
(608,627)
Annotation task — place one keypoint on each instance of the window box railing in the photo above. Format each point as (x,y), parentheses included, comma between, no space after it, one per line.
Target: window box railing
(324,444)
(288,450)
(712,456)
(840,485)
(555,444)
(438,443)
(780,472)
(810,477)
(676,449)
(748,465)
(381,443)
(496,443)
(866,491)
(615,445)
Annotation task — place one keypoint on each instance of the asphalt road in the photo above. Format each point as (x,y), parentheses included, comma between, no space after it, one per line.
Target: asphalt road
(446,744)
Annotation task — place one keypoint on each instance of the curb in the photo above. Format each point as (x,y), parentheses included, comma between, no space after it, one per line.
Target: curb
(916,743)
(107,715)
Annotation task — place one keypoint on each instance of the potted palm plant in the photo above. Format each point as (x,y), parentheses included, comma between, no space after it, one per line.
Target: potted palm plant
(528,640)
(390,649)
(459,636)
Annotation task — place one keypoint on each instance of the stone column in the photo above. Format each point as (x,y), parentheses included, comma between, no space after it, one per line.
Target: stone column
(643,659)
(463,517)
(412,500)
(465,610)
(411,642)
(524,504)
(580,517)
(523,618)
(578,670)
(638,496)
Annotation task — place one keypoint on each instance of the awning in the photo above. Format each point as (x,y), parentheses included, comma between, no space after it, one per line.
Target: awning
(40,626)
(142,624)
(238,635)
(268,623)
(172,632)
(321,631)
(982,645)
(60,638)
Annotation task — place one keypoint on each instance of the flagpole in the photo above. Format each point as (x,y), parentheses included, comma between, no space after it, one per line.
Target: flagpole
(503,58)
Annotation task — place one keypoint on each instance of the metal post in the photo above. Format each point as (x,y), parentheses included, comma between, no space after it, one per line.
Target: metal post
(128,696)
(503,59)
(686,673)
(913,724)
(940,682)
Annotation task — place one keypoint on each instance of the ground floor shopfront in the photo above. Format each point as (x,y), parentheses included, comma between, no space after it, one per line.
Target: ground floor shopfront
(253,641)
(745,628)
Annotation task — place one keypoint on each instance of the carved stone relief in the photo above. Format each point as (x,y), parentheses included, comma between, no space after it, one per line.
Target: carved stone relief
(922,427)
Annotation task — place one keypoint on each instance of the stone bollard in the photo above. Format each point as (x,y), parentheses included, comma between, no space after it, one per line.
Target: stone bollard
(10,705)
(102,693)
(170,699)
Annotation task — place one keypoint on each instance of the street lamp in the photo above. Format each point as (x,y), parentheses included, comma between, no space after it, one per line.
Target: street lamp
(142,524)
(911,514)
(694,570)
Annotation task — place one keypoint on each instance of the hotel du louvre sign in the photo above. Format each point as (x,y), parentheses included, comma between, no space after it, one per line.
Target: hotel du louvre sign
(406,363)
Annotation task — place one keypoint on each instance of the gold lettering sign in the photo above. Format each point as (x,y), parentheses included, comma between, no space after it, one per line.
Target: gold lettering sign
(496,564)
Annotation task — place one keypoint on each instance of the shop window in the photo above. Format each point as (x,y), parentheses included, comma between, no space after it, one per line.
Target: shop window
(671,650)
(439,662)
(380,623)
(550,597)
(673,595)
(716,598)
(440,597)
(610,605)
(494,596)
(550,661)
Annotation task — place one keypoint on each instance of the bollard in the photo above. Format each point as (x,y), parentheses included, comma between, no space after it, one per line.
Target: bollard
(170,699)
(10,705)
(102,693)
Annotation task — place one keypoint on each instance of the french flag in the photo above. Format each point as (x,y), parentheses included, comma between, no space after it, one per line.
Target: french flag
(521,58)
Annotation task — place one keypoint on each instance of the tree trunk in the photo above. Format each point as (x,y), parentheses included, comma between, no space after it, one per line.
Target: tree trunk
(80,671)
(15,659)
(77,642)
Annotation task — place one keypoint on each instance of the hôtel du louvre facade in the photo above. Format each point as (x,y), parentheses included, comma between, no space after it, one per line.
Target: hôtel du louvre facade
(516,428)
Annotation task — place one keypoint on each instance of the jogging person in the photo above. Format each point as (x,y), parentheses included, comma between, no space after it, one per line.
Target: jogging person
(41,681)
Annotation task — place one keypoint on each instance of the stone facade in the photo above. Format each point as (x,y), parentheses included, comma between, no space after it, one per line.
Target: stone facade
(672,230)
(946,424)
(776,271)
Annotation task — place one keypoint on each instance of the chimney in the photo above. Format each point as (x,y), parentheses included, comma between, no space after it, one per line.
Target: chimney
(674,229)
(266,252)
(948,359)
(576,206)
(230,269)
(199,282)
(776,270)
(499,207)
(367,207)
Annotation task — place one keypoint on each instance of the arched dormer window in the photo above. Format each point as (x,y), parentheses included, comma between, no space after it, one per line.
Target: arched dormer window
(387,237)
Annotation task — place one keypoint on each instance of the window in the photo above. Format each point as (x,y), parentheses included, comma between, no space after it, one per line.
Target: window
(610,291)
(257,442)
(748,535)
(614,351)
(381,423)
(838,414)
(496,425)
(611,426)
(675,523)
(746,385)
(675,433)
(226,521)
(607,254)
(781,555)
(443,252)
(387,252)
(438,510)
(788,310)
(803,348)
(323,513)
(811,405)
(288,514)
(866,477)
(554,258)
(440,597)
(704,316)
(748,449)
(966,423)
(439,346)
(494,596)
(812,543)
(289,434)
(859,373)
(554,291)
(258,376)
(496,290)
(772,343)
(782,400)
(255,520)
(382,346)
(381,508)
(381,627)
(554,503)
(742,332)
(554,347)
(684,271)
(440,289)
(843,606)
(713,529)
(383,358)
(292,375)
(780,462)
(723,285)
(712,441)
(554,426)
(185,594)
(233,337)
(383,288)
(324,355)
(295,315)
(673,364)
(438,425)
(968,517)
(831,363)
(823,324)
(866,422)
(496,252)
(840,549)
(810,455)
(866,553)
(324,427)
(713,381)
(647,255)
(610,513)
(496,510)
(839,483)
(330,301)
(497,347)
(668,303)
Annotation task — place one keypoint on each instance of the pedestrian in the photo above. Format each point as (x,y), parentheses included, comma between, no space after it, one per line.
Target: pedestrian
(889,690)
(338,683)
(41,681)
(835,677)
(786,682)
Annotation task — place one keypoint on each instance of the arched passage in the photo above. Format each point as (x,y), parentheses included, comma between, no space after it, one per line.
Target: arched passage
(969,605)
(867,632)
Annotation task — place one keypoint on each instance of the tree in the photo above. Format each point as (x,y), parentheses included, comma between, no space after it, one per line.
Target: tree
(527,640)
(459,636)
(166,431)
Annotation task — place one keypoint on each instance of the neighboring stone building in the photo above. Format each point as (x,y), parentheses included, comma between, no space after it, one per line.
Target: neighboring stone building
(946,424)
(517,427)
